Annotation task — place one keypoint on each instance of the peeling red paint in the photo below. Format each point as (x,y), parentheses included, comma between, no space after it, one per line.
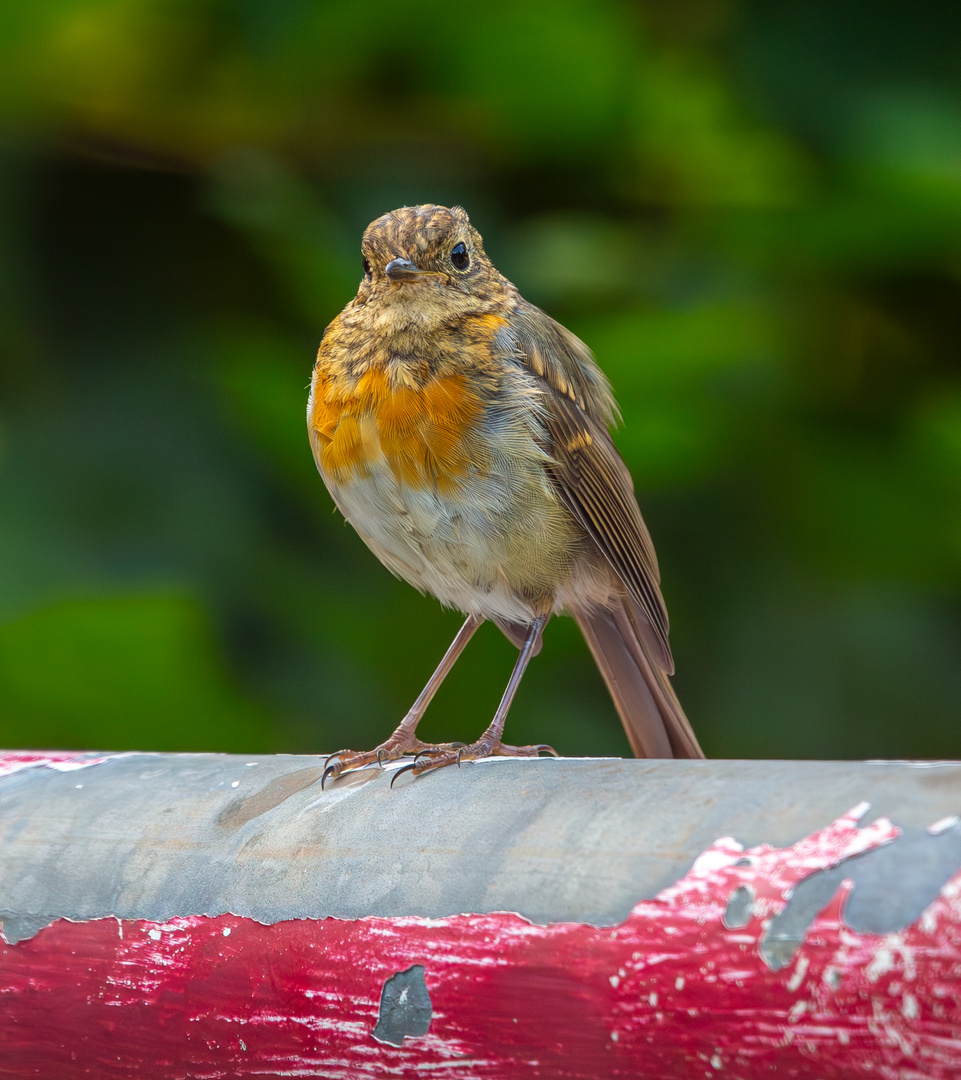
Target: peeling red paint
(62,760)
(670,993)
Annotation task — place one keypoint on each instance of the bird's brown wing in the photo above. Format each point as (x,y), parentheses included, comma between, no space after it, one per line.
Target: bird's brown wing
(586,468)
(594,482)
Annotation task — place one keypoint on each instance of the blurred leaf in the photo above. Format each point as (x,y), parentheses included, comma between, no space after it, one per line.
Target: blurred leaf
(684,375)
(287,222)
(265,379)
(145,672)
(698,145)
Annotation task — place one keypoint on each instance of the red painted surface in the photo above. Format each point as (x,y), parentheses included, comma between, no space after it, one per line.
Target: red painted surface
(670,993)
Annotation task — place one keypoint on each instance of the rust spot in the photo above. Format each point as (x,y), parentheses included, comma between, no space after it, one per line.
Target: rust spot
(240,811)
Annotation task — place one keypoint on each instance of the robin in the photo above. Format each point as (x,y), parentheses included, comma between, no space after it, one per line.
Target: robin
(464,435)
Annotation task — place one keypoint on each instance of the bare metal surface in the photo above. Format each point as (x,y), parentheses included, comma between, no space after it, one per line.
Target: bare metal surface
(150,836)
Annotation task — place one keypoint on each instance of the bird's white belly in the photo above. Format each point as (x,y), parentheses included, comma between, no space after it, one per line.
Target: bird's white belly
(461,547)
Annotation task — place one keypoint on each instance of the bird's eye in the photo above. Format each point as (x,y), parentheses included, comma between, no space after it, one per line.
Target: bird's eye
(459,256)
(367,268)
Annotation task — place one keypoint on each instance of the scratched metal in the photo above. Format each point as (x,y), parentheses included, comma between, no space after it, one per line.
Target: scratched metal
(154,836)
(672,993)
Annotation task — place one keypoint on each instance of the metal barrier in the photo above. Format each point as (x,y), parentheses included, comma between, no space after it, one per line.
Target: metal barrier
(174,915)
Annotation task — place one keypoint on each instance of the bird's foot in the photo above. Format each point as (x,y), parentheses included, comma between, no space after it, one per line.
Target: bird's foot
(351,760)
(428,760)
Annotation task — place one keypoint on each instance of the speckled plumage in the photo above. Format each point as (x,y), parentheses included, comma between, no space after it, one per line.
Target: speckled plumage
(463,433)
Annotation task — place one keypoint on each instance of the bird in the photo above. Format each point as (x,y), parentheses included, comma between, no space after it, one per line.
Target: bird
(465,435)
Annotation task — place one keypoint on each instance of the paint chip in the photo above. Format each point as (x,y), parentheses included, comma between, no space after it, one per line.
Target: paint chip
(797,977)
(943,824)
(405,1007)
(740,908)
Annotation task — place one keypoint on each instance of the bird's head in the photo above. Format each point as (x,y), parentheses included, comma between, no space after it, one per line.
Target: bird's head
(427,257)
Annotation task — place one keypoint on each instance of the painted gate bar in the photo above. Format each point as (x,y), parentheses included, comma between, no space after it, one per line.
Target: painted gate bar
(212,916)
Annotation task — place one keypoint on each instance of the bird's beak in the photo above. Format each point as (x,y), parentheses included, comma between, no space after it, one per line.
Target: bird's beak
(403,270)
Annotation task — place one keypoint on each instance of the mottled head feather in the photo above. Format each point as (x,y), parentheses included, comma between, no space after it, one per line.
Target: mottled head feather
(426,235)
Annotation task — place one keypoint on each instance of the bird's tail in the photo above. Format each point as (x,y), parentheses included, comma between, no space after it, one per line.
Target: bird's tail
(652,716)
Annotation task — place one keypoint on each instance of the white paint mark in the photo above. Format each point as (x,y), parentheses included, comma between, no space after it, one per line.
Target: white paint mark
(881,964)
(909,1007)
(832,977)
(527,762)
(942,825)
(614,1036)
(716,1062)
(17,762)
(154,935)
(250,764)
(952,888)
(799,972)
(78,786)
(679,983)
(329,798)
(652,998)
(893,946)
(243,1045)
(71,766)
(858,812)
(614,980)
(226,931)
(236,783)
(797,1011)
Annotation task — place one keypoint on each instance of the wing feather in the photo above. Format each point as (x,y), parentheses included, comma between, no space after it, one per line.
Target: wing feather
(584,465)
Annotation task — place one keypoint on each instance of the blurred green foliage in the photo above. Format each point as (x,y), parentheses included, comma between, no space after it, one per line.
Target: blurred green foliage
(750,210)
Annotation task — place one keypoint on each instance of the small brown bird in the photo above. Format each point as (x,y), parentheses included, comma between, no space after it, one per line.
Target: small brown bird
(464,435)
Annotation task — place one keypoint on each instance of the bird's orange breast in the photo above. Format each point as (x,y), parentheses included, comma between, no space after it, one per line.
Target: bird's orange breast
(424,434)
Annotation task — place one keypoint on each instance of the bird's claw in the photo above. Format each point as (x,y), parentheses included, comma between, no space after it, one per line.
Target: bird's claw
(403,769)
(425,758)
(345,761)
(436,757)
(330,771)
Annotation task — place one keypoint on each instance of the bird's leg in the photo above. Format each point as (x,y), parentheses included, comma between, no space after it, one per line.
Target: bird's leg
(489,744)
(404,739)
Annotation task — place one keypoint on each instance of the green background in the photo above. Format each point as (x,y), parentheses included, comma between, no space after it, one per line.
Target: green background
(750,211)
